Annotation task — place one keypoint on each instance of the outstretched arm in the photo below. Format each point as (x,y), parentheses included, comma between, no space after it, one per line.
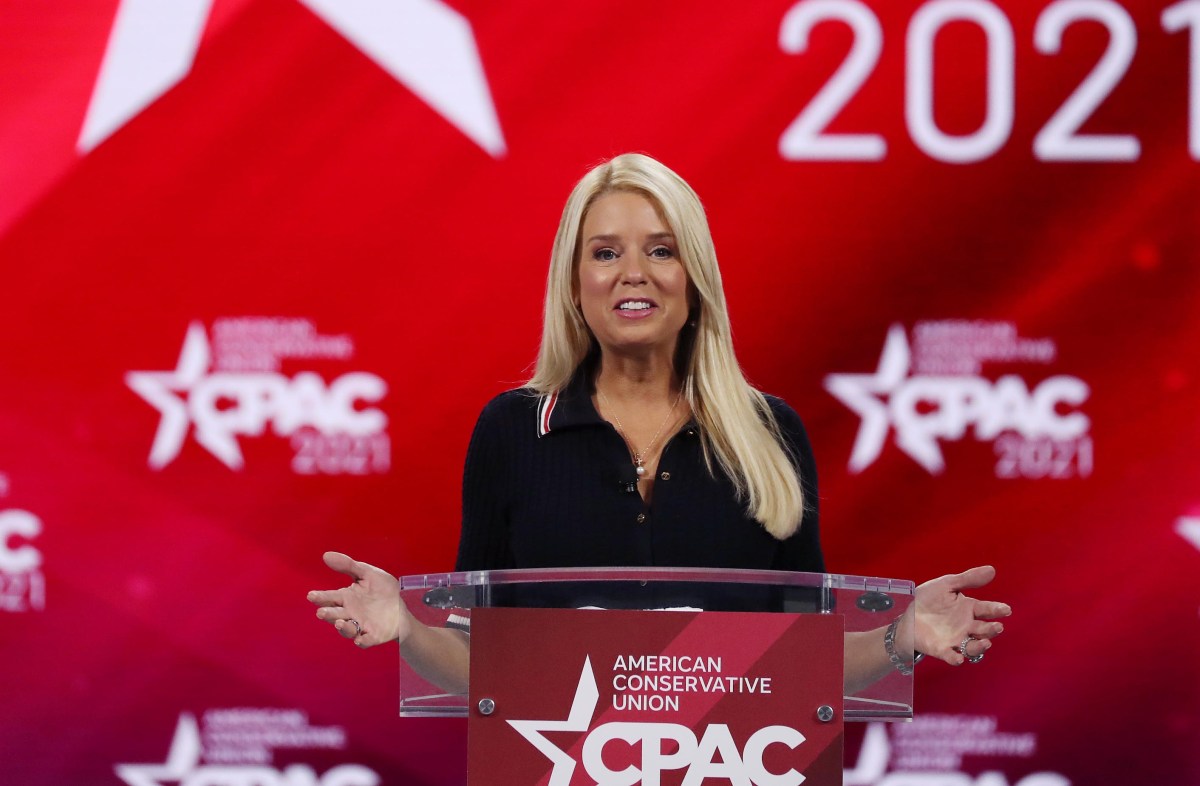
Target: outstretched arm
(942,622)
(369,611)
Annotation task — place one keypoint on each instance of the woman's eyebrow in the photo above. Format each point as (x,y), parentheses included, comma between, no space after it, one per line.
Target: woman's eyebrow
(617,238)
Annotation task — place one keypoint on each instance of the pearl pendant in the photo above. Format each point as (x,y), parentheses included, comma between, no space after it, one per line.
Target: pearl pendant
(641,470)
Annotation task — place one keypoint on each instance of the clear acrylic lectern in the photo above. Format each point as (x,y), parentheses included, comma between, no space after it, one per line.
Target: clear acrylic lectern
(447,599)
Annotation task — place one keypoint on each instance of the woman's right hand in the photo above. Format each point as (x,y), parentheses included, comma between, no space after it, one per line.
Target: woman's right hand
(372,600)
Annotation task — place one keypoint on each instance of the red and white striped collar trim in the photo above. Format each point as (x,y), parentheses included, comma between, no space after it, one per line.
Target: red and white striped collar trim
(567,408)
(544,411)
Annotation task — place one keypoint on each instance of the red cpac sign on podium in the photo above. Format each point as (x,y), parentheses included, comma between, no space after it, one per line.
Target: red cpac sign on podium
(563,697)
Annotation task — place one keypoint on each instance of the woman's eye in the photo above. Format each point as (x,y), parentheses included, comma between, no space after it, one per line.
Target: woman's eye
(604,255)
(662,252)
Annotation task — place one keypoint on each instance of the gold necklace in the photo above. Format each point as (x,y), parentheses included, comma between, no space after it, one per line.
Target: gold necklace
(639,457)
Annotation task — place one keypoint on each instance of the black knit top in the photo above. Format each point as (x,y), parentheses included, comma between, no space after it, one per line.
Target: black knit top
(545,485)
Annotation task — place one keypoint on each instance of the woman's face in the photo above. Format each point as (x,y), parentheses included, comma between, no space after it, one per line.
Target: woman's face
(633,290)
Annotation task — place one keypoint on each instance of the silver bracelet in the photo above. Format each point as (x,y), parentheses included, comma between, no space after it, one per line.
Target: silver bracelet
(889,644)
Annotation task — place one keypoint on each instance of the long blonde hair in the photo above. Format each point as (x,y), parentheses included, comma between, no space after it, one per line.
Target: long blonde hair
(736,423)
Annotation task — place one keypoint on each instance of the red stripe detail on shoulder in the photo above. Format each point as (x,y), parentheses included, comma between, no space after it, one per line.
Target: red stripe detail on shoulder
(546,410)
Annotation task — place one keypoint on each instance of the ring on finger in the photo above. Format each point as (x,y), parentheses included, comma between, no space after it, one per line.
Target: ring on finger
(962,648)
(357,627)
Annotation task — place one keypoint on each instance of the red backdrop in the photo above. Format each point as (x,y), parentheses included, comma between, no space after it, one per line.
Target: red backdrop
(264,261)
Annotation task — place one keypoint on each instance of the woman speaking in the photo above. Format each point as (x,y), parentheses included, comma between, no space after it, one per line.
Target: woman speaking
(638,442)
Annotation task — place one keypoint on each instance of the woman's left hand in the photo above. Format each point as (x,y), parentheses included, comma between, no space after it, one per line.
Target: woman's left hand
(952,626)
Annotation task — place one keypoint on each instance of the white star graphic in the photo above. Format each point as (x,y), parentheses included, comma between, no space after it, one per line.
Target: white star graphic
(864,394)
(587,694)
(162,389)
(873,757)
(182,759)
(424,44)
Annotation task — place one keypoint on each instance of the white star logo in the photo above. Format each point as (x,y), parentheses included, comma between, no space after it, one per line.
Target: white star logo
(873,756)
(864,394)
(167,392)
(182,759)
(424,44)
(587,694)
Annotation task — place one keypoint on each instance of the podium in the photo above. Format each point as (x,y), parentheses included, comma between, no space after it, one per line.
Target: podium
(656,675)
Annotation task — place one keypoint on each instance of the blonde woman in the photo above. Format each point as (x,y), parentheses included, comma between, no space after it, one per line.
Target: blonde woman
(639,442)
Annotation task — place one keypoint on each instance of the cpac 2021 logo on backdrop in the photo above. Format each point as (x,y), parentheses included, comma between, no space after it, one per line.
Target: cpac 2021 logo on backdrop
(231,387)
(930,752)
(237,747)
(933,391)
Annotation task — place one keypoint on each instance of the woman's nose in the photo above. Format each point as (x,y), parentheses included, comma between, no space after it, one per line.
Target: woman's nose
(633,268)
